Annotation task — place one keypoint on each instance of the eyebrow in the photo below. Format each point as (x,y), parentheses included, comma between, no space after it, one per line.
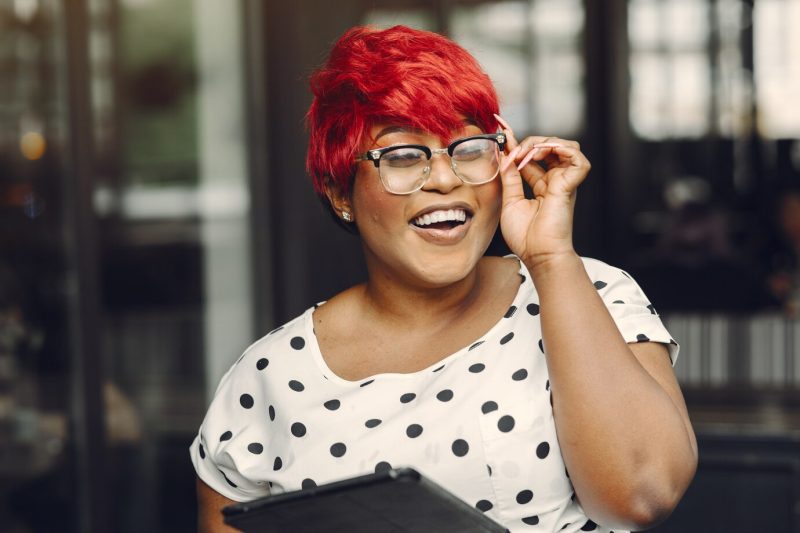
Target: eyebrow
(408,129)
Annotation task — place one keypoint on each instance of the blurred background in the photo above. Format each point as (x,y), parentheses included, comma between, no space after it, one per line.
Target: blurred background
(155,219)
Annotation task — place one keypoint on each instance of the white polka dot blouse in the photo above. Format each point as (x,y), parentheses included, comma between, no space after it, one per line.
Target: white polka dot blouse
(479,422)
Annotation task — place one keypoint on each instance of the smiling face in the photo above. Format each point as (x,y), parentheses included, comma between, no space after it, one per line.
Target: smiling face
(434,236)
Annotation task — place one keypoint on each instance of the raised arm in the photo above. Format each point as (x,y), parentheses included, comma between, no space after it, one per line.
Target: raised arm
(621,420)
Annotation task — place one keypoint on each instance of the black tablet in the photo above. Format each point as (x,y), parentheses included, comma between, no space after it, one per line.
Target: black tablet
(395,501)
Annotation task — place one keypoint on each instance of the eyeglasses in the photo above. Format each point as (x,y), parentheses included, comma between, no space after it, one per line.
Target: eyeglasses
(404,168)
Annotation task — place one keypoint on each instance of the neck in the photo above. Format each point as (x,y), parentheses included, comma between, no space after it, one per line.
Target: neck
(394,300)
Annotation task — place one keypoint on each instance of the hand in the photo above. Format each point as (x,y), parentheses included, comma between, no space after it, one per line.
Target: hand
(539,229)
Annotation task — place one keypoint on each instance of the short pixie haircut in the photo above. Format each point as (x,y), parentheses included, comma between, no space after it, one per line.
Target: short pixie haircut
(398,75)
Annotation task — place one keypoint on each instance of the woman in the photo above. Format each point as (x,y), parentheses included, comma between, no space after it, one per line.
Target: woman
(492,376)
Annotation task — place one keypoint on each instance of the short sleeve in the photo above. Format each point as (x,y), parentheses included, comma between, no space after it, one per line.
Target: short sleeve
(635,316)
(226,451)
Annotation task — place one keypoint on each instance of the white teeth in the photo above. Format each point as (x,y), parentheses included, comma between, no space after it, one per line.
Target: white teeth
(441,216)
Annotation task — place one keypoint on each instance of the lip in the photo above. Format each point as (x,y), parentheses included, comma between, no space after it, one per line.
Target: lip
(443,236)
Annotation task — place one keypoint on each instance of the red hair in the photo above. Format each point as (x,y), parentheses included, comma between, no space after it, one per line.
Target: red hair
(399,75)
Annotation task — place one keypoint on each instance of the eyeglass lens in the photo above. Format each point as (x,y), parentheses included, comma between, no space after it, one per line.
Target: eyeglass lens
(405,169)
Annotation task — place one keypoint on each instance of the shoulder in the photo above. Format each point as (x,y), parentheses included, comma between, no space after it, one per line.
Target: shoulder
(596,269)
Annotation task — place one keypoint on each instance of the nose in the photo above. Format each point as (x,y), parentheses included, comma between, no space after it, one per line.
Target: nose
(442,177)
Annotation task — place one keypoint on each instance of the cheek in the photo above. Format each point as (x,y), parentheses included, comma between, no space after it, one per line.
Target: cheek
(372,205)
(491,199)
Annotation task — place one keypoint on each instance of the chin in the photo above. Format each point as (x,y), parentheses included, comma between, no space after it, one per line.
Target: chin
(445,267)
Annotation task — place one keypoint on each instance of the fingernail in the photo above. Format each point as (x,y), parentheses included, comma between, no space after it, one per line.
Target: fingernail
(527,158)
(547,145)
(510,158)
(502,122)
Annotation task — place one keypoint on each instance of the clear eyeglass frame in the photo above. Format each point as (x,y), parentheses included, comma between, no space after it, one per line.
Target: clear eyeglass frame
(375,156)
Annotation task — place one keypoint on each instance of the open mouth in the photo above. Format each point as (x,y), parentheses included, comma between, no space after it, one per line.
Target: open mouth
(442,219)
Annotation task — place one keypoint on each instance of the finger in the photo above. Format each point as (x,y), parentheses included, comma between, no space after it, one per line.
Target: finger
(527,159)
(511,140)
(509,159)
(569,160)
(562,153)
(534,152)
(511,181)
(541,139)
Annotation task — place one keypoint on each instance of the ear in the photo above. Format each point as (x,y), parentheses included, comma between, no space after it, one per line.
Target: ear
(339,201)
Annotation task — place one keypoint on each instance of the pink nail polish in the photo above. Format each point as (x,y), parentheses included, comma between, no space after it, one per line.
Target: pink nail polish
(510,159)
(502,122)
(527,158)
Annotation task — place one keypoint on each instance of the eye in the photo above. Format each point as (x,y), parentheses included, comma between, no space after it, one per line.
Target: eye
(403,157)
(472,149)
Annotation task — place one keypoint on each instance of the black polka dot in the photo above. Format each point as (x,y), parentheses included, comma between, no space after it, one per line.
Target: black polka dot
(521,278)
(255,448)
(277,464)
(296,386)
(298,429)
(541,345)
(476,345)
(618,302)
(652,309)
(372,422)
(547,385)
(533,309)
(599,284)
(477,367)
(225,436)
(589,526)
(202,451)
(438,368)
(565,526)
(297,343)
(519,375)
(308,483)
(338,449)
(510,312)
(507,338)
(484,505)
(506,423)
(489,469)
(262,363)
(445,396)
(271,413)
(332,405)
(531,520)
(366,383)
(542,450)
(641,337)
(246,401)
(414,431)
(407,397)
(460,447)
(383,466)
(524,496)
(488,407)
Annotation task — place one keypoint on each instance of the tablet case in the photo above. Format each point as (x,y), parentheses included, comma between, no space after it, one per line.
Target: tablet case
(395,501)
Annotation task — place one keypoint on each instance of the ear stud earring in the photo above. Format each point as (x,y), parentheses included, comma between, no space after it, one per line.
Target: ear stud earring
(346,216)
